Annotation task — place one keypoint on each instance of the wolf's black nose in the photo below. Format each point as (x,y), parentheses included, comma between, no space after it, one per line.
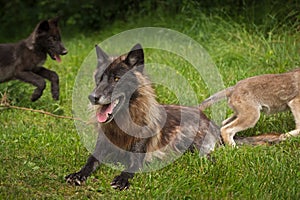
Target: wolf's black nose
(93,99)
(64,52)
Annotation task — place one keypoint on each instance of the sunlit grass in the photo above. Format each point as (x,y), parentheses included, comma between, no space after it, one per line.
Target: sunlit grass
(37,151)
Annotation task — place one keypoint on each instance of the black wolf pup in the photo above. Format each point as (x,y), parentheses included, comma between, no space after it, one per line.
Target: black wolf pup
(133,127)
(23,60)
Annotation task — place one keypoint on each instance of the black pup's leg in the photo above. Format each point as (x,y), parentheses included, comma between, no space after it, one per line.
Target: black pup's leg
(34,79)
(52,77)
(80,177)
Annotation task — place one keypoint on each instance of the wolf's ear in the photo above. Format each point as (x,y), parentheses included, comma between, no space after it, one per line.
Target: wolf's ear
(43,26)
(102,57)
(54,21)
(135,58)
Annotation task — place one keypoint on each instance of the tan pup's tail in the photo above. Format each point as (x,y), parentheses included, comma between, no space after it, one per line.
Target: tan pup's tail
(264,139)
(215,98)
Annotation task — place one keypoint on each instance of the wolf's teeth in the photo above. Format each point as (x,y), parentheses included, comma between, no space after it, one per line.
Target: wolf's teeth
(116,102)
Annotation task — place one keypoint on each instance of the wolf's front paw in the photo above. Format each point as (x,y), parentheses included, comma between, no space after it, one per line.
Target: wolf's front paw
(75,179)
(120,182)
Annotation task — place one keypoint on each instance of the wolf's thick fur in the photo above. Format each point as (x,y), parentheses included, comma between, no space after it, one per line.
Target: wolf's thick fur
(23,60)
(131,120)
(270,93)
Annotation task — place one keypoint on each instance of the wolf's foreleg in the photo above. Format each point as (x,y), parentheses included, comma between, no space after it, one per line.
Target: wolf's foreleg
(52,77)
(80,177)
(137,157)
(34,79)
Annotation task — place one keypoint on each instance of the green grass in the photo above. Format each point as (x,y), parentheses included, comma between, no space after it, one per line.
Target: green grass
(37,151)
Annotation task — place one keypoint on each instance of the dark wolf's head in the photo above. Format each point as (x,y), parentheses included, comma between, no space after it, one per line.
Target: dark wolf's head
(46,38)
(117,81)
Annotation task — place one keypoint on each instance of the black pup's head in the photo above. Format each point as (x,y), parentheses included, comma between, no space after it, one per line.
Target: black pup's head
(48,39)
(117,80)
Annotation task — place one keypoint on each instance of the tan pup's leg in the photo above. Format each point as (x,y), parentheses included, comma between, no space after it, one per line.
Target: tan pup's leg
(295,108)
(228,120)
(247,116)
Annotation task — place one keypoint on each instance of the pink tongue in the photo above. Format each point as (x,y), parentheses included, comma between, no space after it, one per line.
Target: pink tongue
(57,58)
(104,112)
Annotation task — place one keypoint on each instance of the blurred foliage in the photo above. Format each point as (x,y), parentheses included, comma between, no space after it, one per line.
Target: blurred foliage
(265,15)
(18,17)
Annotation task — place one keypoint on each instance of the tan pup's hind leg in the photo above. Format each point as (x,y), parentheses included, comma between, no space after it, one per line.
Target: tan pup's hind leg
(228,120)
(246,118)
(295,108)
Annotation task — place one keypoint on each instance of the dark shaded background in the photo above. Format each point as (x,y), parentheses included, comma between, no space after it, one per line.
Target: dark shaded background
(92,15)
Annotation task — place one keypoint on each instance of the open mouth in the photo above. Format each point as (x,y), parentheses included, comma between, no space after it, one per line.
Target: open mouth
(57,56)
(106,112)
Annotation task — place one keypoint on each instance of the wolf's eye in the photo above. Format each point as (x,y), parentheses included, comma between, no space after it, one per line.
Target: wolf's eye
(116,78)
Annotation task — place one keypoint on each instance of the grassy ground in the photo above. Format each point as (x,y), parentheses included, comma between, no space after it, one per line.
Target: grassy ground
(37,151)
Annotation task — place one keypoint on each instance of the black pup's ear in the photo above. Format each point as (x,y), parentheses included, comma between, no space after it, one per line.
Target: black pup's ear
(135,58)
(102,57)
(43,26)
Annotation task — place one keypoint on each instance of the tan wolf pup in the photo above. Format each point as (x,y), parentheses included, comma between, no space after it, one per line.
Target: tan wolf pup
(269,93)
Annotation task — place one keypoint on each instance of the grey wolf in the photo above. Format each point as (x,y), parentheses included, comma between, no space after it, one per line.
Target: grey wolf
(23,60)
(128,118)
(269,93)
